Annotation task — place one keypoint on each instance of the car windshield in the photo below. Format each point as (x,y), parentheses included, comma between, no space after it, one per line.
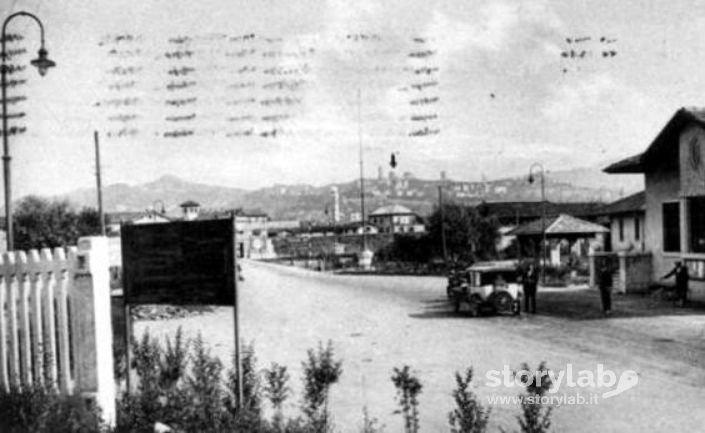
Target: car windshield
(497,277)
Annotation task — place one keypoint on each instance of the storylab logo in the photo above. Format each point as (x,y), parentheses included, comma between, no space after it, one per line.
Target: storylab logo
(601,382)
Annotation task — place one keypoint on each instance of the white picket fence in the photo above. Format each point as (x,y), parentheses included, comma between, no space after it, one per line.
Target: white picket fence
(55,322)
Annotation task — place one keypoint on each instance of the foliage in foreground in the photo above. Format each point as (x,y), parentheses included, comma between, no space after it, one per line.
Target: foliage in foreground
(469,416)
(185,387)
(536,417)
(41,409)
(408,389)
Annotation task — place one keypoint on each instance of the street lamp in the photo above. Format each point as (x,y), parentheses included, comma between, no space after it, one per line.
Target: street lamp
(161,211)
(537,165)
(42,63)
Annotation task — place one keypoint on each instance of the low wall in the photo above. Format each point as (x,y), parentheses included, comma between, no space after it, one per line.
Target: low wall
(633,271)
(315,246)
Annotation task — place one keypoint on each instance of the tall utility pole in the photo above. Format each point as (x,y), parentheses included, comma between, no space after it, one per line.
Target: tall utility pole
(443,226)
(42,64)
(362,171)
(99,184)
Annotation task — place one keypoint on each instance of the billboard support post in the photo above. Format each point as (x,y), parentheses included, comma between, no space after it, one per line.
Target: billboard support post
(236,323)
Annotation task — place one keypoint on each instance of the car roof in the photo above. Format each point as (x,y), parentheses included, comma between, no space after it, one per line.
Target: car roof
(494,266)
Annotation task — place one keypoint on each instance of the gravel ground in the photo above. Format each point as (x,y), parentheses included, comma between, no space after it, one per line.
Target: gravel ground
(380,322)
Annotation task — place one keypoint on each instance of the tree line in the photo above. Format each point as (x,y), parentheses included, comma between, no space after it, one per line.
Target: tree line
(41,223)
(470,235)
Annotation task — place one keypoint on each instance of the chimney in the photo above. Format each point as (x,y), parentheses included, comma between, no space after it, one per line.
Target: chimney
(443,175)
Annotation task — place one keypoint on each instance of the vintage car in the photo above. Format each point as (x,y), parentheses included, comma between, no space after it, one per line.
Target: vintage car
(486,287)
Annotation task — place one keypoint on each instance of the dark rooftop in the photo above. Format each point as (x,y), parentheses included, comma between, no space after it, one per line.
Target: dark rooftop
(533,209)
(632,203)
(189,203)
(630,165)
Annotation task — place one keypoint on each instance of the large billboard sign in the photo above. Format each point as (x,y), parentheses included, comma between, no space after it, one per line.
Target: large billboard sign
(182,262)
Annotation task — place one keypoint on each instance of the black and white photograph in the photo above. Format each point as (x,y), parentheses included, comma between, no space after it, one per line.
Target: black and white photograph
(352,216)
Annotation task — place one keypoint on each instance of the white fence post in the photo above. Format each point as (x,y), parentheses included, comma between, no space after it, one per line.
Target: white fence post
(10,284)
(49,351)
(91,325)
(61,295)
(24,319)
(35,279)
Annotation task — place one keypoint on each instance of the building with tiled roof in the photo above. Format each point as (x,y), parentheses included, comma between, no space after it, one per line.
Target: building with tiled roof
(627,218)
(567,237)
(396,219)
(673,166)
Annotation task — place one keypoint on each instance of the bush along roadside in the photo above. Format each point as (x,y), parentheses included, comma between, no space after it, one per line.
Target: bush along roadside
(180,387)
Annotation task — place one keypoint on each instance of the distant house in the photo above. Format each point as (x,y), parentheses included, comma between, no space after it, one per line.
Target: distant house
(673,166)
(396,219)
(627,221)
(190,210)
(357,228)
(253,233)
(116,219)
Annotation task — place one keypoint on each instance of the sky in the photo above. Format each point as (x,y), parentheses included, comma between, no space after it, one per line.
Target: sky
(253,93)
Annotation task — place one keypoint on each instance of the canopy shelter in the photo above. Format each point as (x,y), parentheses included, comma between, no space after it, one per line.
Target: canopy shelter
(566,235)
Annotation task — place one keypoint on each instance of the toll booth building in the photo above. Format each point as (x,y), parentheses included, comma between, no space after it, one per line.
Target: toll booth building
(674,172)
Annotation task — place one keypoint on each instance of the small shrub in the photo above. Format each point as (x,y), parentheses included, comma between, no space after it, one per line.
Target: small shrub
(173,362)
(204,410)
(321,370)
(408,389)
(536,416)
(40,409)
(277,391)
(370,424)
(141,409)
(251,384)
(469,416)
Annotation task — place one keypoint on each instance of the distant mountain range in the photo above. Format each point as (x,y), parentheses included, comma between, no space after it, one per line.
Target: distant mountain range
(306,202)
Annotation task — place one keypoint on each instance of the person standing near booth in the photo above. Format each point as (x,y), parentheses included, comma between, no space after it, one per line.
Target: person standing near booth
(682,277)
(605,285)
(530,283)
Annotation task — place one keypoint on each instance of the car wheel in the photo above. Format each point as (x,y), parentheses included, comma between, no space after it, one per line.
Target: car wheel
(503,302)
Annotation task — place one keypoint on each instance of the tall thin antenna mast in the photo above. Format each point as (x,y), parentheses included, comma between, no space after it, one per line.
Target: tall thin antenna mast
(362,171)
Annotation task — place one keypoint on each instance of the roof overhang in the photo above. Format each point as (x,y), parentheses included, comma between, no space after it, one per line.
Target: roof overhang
(653,157)
(631,165)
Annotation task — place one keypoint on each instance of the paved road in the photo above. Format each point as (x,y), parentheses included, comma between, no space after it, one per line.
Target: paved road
(377,323)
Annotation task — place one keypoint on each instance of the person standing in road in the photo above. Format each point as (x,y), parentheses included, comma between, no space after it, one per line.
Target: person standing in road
(681,274)
(605,285)
(530,283)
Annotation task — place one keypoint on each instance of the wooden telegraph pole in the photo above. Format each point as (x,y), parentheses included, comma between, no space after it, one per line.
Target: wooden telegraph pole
(99,183)
(443,226)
